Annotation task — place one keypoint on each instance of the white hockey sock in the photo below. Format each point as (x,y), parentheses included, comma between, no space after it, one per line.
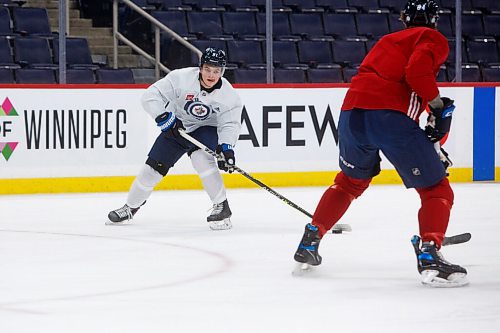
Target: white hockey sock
(206,167)
(143,186)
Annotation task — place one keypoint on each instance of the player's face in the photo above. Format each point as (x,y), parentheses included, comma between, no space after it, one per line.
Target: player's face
(210,75)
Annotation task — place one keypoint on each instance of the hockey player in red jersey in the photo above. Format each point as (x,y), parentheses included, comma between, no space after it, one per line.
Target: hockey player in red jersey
(394,84)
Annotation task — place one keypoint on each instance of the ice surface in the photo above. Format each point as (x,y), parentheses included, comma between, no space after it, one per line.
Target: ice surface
(63,270)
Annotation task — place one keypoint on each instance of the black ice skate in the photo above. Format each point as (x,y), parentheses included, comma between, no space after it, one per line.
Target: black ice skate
(307,253)
(121,215)
(219,218)
(435,271)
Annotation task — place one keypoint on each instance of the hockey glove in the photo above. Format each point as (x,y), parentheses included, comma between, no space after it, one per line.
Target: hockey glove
(439,120)
(169,124)
(227,160)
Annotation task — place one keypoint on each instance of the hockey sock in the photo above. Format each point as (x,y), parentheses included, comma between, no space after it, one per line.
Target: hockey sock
(434,214)
(336,200)
(206,167)
(143,186)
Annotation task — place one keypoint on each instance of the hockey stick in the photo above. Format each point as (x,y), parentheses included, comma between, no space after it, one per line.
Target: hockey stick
(339,227)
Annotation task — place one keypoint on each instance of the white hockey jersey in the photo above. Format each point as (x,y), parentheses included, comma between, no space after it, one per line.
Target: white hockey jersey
(179,92)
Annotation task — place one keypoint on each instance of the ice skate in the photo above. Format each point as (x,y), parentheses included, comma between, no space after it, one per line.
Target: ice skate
(307,254)
(121,215)
(435,271)
(219,218)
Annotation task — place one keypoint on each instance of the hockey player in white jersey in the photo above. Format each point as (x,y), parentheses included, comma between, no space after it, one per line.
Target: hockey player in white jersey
(205,104)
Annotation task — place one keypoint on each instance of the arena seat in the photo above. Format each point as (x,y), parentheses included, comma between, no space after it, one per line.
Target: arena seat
(7,76)
(31,21)
(328,75)
(115,76)
(289,75)
(30,75)
(33,52)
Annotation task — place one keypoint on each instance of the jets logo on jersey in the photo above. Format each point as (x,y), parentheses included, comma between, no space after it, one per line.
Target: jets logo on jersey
(198,110)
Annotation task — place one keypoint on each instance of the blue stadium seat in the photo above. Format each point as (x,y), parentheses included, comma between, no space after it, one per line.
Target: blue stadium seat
(281,26)
(289,75)
(115,76)
(174,5)
(250,75)
(489,6)
(451,55)
(445,26)
(30,75)
(395,23)
(350,52)
(246,54)
(483,51)
(205,24)
(77,53)
(491,74)
(332,5)
(309,25)
(340,25)
(285,55)
(238,5)
(470,73)
(209,6)
(6,60)
(80,76)
(33,52)
(450,4)
(472,25)
(394,5)
(316,54)
(31,21)
(305,6)
(373,24)
(7,76)
(364,4)
(349,72)
(5,28)
(175,20)
(278,5)
(241,25)
(491,25)
(325,75)
(144,4)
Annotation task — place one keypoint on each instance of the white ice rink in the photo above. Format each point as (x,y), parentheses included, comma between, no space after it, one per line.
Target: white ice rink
(63,270)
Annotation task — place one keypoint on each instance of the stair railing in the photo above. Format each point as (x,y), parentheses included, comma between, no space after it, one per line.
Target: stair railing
(117,36)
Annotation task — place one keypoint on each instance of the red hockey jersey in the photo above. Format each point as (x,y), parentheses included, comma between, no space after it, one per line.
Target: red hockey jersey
(399,73)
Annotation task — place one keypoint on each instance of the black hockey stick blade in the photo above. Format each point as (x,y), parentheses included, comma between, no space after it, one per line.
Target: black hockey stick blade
(457,239)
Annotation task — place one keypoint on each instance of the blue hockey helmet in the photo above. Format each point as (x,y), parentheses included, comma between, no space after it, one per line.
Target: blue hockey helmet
(214,57)
(420,13)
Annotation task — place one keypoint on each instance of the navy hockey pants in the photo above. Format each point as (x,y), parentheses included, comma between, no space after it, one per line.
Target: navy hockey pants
(364,133)
(168,150)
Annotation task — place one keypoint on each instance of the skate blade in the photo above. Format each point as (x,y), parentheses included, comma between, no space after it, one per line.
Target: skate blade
(126,222)
(301,269)
(429,278)
(220,225)
(340,228)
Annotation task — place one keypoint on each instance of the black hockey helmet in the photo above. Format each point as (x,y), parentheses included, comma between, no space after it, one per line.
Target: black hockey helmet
(214,57)
(420,13)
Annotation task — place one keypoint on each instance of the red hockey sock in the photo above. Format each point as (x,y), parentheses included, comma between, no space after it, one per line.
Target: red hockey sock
(336,200)
(434,214)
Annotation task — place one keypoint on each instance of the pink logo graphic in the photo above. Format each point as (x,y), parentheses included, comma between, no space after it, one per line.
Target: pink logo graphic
(7,109)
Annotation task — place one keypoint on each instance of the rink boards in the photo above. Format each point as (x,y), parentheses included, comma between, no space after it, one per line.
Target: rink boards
(94,139)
